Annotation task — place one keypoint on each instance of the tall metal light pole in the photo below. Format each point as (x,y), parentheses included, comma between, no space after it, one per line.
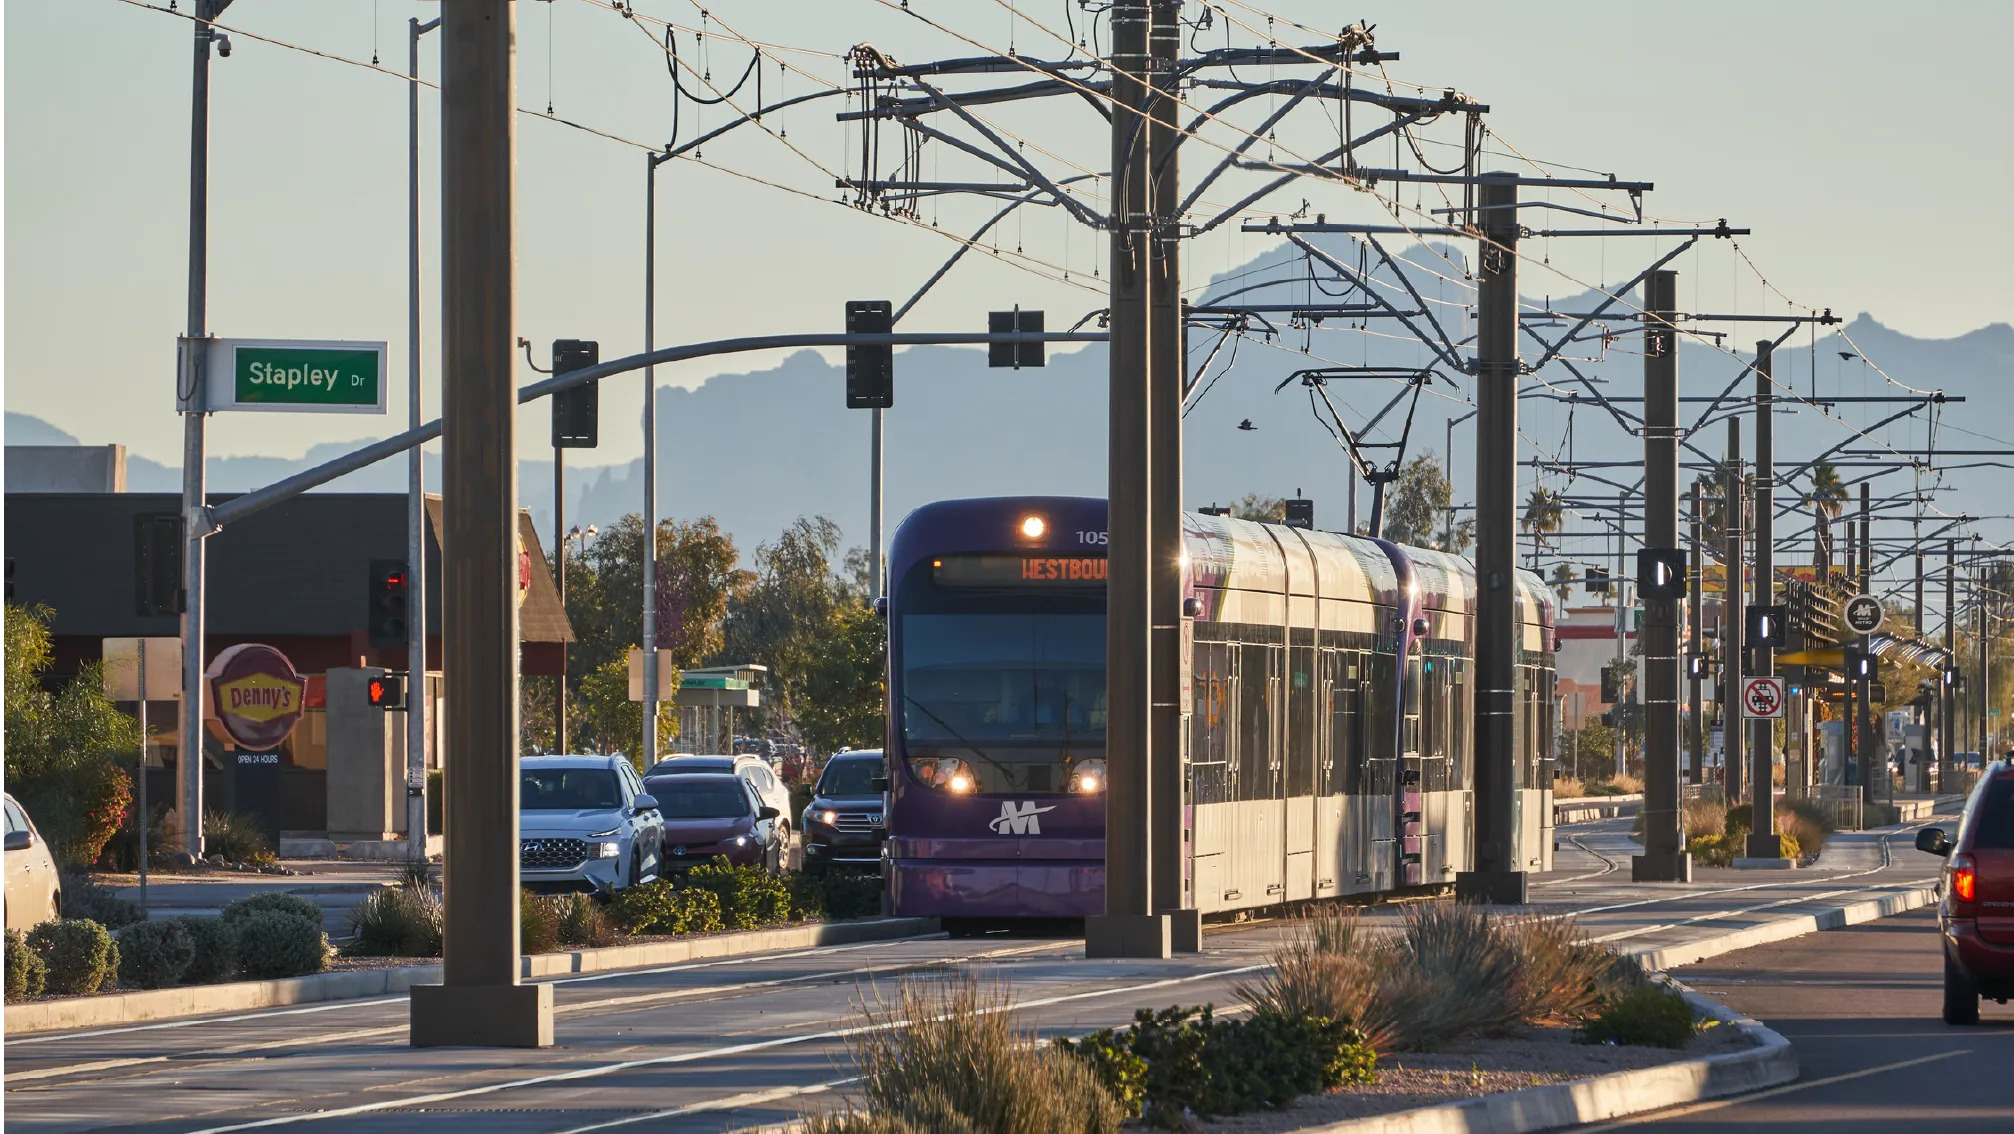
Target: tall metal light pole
(1762,840)
(1498,876)
(416,475)
(650,706)
(480,1001)
(1663,858)
(1129,926)
(189,786)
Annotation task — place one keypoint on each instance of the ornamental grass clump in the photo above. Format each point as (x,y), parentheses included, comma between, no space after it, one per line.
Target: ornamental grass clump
(397,921)
(948,1056)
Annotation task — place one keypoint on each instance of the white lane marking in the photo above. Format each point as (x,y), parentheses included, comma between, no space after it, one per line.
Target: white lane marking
(559,1010)
(752,1098)
(338,1005)
(1787,1088)
(1716,915)
(690,1056)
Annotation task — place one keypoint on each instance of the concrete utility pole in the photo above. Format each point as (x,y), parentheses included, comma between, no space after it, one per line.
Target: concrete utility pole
(1498,876)
(416,479)
(1947,695)
(1762,840)
(189,784)
(1664,858)
(480,1002)
(1129,926)
(1167,753)
(1694,601)
(1731,619)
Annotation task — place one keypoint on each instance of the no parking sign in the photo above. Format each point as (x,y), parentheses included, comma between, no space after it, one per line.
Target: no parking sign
(1762,697)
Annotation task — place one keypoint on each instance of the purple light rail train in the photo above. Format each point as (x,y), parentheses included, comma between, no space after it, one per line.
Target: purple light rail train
(1329,723)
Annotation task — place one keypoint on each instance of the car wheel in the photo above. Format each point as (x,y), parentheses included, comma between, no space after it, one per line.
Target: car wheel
(1961,997)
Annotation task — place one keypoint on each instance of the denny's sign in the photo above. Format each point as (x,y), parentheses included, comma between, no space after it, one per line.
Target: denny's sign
(256,695)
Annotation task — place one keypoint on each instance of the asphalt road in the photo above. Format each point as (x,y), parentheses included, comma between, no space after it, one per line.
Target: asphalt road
(1861,1006)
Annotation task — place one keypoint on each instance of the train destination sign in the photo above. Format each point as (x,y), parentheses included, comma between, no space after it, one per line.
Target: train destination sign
(1040,571)
(287,375)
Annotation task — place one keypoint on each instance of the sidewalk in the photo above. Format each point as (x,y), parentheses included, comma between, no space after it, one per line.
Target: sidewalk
(336,885)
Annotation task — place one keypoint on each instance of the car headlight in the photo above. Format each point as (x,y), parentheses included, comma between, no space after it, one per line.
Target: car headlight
(828,817)
(1087,776)
(741,840)
(607,850)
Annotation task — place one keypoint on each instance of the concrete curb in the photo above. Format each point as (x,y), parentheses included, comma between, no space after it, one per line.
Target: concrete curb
(246,996)
(1691,952)
(1587,809)
(1770,1062)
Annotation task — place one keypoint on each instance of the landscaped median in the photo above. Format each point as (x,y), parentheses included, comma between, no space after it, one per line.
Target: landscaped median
(720,912)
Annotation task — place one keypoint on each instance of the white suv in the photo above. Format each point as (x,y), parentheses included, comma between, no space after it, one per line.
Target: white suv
(585,824)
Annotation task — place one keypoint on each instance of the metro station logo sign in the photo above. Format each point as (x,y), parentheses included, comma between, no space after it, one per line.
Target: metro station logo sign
(1019,818)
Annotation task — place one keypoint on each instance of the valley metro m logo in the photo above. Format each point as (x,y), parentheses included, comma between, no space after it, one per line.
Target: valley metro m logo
(1019,818)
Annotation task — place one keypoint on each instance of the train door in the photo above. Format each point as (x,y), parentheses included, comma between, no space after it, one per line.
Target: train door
(1380,801)
(1212,727)
(1342,832)
(1411,794)
(1256,873)
(1302,699)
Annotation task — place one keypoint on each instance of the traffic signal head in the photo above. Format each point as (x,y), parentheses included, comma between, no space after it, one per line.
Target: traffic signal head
(1611,688)
(1861,665)
(1597,580)
(1695,666)
(386,611)
(1766,626)
(870,370)
(576,413)
(1660,573)
(387,691)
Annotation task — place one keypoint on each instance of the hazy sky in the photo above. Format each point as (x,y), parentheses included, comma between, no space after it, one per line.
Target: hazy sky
(1869,153)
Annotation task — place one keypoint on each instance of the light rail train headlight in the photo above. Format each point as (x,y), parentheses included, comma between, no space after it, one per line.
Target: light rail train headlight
(1087,776)
(1033,526)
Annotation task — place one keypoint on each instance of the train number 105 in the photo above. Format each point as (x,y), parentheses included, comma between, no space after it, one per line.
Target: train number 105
(1096,539)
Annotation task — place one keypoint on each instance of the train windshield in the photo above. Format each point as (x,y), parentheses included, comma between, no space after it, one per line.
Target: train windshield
(1002,701)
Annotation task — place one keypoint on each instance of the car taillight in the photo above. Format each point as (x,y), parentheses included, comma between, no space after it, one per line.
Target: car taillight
(1964,879)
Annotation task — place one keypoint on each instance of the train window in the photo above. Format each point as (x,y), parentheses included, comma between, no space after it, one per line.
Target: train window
(1379,696)
(1301,701)
(1461,731)
(1255,718)
(1343,771)
(1210,715)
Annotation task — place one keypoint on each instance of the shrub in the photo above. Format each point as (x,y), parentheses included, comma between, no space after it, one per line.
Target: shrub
(154,954)
(84,898)
(25,971)
(1704,817)
(580,920)
(948,1056)
(750,897)
(216,949)
(397,921)
(79,955)
(238,836)
(834,896)
(537,924)
(63,750)
(660,907)
(1183,1061)
(1645,1015)
(274,944)
(275,901)
(1557,975)
(1713,850)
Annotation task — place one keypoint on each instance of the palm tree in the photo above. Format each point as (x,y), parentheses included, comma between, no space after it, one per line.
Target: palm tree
(1826,497)
(1563,576)
(1544,511)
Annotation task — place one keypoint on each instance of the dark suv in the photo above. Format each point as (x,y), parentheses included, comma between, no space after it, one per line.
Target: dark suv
(844,825)
(1977,913)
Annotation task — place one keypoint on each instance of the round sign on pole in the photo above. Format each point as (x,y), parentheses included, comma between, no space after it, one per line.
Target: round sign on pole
(1863,614)
(1762,697)
(256,695)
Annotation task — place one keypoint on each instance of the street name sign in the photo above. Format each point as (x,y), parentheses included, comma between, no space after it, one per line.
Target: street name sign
(282,375)
(1762,697)
(1863,614)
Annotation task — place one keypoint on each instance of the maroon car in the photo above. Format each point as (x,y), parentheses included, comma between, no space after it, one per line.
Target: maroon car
(1977,913)
(711,815)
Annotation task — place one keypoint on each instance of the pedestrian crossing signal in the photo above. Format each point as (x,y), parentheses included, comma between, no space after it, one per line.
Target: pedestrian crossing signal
(387,691)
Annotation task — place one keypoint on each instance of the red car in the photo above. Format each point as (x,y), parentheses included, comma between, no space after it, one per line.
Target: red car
(711,815)
(1977,913)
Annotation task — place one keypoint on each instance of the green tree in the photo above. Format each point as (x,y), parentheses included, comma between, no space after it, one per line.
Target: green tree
(845,687)
(1264,509)
(777,621)
(1544,512)
(1417,512)
(65,750)
(609,721)
(1563,576)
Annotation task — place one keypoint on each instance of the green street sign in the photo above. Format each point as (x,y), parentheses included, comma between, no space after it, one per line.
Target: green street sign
(285,375)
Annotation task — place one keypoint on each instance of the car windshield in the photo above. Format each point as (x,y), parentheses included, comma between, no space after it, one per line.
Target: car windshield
(1993,823)
(1005,677)
(568,789)
(850,777)
(688,800)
